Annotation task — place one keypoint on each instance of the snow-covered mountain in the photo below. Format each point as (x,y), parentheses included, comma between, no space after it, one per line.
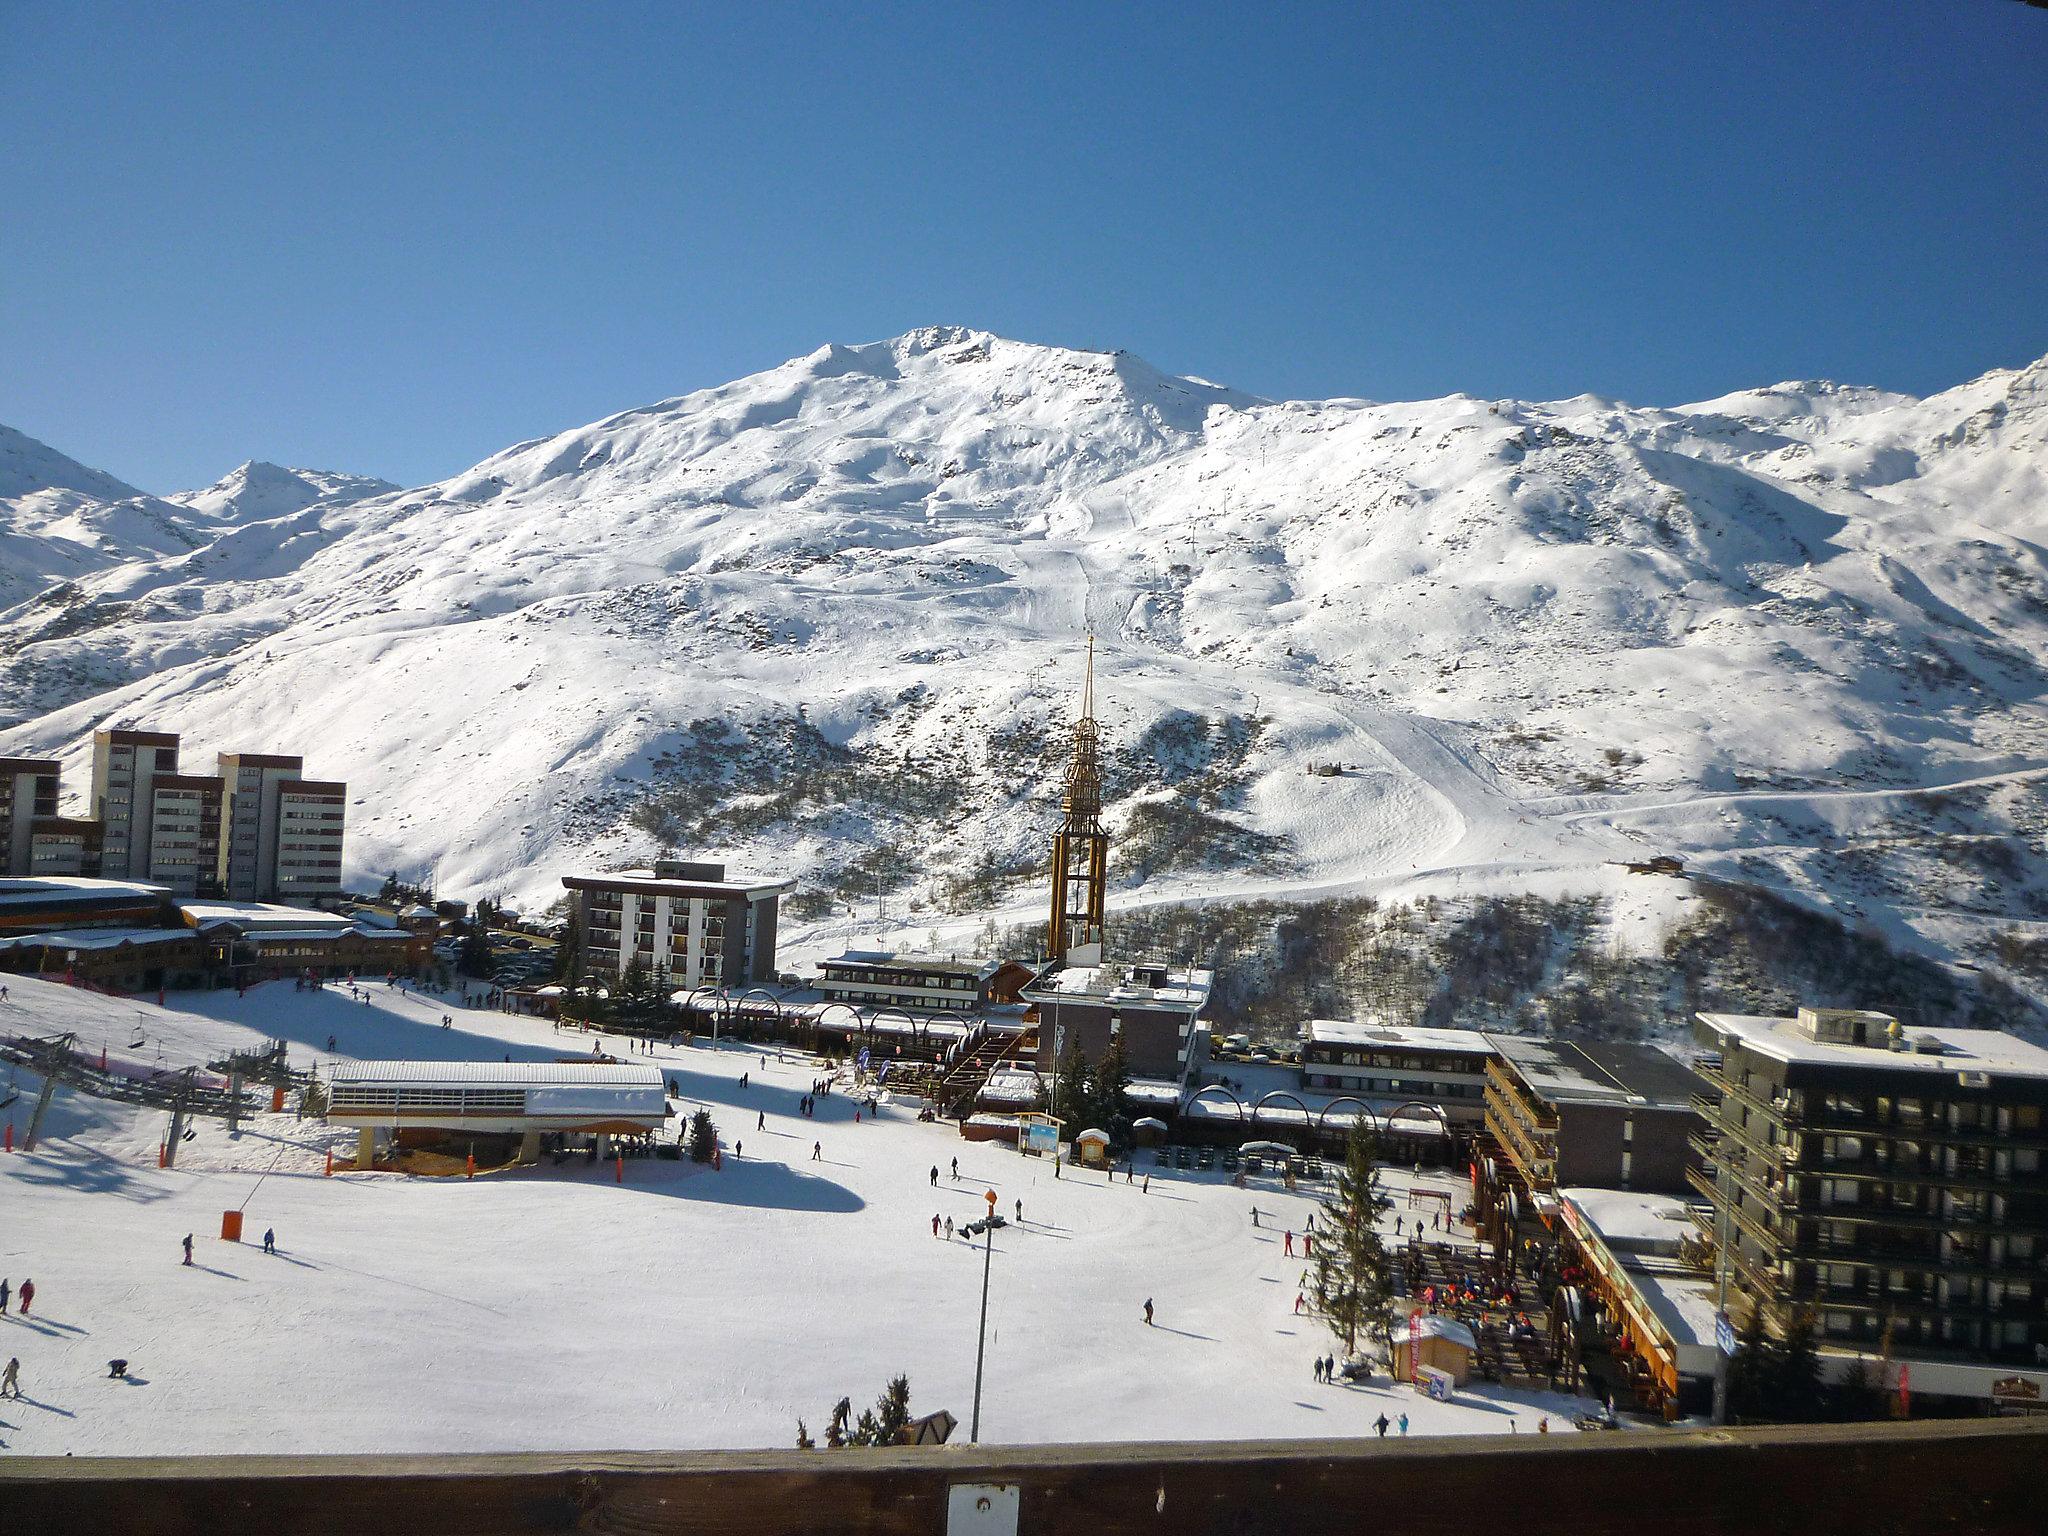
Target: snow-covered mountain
(256,491)
(829,619)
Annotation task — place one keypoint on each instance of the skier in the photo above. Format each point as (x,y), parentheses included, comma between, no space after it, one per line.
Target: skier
(1020,1209)
(817,1152)
(270,1240)
(1255,1215)
(188,1247)
(28,1294)
(1329,1369)
(5,1291)
(1397,1226)
(956,1167)
(1380,1424)
(1319,1369)
(949,1229)
(1297,1303)
(1288,1240)
(1148,1311)
(1308,1246)
(761,1121)
(1146,1187)
(935,1223)
(1404,1424)
(1543,1425)
(935,1175)
(10,1379)
(743,1078)
(737,1144)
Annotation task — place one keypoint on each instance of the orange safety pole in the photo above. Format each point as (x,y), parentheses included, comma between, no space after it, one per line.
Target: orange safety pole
(160,1154)
(277,1101)
(469,1167)
(10,1135)
(330,1164)
(621,1175)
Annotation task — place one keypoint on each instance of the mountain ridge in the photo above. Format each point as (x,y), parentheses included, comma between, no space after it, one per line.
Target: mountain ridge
(797,618)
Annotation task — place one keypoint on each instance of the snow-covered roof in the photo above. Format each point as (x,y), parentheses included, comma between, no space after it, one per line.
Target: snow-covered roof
(1630,1221)
(42,890)
(513,1073)
(261,916)
(1433,1325)
(647,881)
(95,938)
(1598,1072)
(1091,1135)
(1397,1037)
(1181,989)
(1960,1050)
(913,961)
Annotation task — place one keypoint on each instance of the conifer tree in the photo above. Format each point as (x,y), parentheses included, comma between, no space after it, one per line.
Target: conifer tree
(1353,1281)
(703,1137)
(1106,1091)
(1073,1105)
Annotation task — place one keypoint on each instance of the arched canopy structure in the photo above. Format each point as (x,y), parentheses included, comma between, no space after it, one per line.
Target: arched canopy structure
(1203,1092)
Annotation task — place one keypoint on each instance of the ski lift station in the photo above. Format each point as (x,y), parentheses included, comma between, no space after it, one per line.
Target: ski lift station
(526,1099)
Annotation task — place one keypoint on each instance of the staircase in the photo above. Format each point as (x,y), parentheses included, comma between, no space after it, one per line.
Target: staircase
(968,1070)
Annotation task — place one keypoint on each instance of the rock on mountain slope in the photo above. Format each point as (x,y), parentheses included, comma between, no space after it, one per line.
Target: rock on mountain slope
(828,619)
(256,491)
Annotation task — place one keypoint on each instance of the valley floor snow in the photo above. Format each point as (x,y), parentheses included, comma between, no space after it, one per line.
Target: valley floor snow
(556,1309)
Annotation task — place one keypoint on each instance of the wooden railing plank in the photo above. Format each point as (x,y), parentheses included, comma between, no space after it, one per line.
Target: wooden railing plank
(1983,1476)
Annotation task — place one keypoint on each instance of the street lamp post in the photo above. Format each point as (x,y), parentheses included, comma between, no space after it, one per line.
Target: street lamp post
(981,1338)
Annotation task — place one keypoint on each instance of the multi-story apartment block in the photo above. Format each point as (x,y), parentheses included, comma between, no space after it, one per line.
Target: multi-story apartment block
(1153,1007)
(1886,1181)
(184,832)
(28,790)
(1612,1116)
(64,845)
(252,784)
(311,816)
(125,765)
(685,922)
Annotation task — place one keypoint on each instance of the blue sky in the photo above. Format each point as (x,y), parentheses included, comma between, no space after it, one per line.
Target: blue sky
(395,239)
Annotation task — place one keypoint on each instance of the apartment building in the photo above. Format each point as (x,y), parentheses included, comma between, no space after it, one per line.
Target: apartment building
(64,845)
(28,790)
(686,922)
(125,765)
(1887,1181)
(184,832)
(1153,1007)
(1609,1116)
(252,784)
(311,819)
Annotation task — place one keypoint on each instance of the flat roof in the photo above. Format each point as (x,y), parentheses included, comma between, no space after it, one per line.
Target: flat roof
(1627,1219)
(913,960)
(260,915)
(659,885)
(1598,1072)
(28,765)
(1186,988)
(545,1073)
(1417,1037)
(96,938)
(1962,1050)
(36,890)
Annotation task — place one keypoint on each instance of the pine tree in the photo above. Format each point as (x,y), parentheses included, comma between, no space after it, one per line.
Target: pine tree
(1074,1104)
(1797,1395)
(474,958)
(804,1442)
(1353,1277)
(1106,1091)
(703,1137)
(892,1410)
(1751,1369)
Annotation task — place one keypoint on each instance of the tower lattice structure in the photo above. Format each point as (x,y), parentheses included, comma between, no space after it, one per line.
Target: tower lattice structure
(1080,849)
